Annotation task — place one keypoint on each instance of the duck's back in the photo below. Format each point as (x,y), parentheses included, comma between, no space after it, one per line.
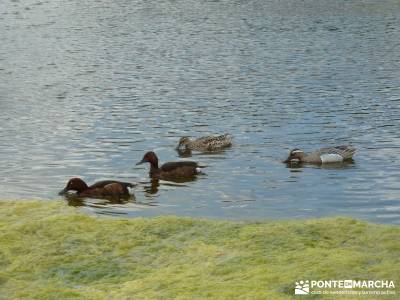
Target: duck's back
(111,186)
(331,154)
(210,143)
(173,166)
(345,152)
(179,169)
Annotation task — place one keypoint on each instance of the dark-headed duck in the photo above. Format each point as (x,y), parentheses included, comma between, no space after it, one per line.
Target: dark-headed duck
(171,170)
(105,188)
(322,156)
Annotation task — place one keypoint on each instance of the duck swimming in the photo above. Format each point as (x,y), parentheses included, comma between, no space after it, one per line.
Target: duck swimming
(105,188)
(206,143)
(171,170)
(322,156)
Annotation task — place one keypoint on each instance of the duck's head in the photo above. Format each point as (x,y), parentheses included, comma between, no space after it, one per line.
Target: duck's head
(74,184)
(149,157)
(296,156)
(183,142)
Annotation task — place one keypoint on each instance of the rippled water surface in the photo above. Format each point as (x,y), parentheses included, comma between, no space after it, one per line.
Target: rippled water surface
(86,87)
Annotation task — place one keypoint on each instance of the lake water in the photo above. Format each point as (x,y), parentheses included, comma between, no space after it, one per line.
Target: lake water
(87,87)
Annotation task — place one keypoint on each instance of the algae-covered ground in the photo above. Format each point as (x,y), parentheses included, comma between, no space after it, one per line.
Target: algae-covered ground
(50,251)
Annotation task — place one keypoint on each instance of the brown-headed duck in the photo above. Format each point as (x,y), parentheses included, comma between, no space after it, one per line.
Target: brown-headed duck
(105,188)
(171,170)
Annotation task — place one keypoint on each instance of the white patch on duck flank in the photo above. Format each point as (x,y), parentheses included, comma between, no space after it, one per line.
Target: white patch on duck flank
(198,170)
(331,158)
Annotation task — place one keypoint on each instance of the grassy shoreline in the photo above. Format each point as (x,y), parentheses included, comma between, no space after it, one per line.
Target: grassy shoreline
(49,251)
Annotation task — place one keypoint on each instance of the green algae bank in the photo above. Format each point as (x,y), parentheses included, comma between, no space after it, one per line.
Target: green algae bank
(51,251)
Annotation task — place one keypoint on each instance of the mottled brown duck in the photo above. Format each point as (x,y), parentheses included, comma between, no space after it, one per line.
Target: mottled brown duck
(206,143)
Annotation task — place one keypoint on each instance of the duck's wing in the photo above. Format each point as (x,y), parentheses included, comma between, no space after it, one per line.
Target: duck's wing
(346,152)
(171,166)
(115,189)
(102,184)
(215,138)
(211,142)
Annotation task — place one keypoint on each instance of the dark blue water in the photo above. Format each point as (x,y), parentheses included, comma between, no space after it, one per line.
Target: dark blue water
(87,87)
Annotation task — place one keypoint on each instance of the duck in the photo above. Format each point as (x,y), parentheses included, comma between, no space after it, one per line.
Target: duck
(103,189)
(334,154)
(171,170)
(206,143)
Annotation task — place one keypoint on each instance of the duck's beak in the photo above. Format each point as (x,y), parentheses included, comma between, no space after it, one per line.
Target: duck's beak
(63,192)
(140,162)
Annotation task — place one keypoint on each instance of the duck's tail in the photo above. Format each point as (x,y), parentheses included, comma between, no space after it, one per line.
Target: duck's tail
(199,169)
(347,152)
(128,184)
(228,136)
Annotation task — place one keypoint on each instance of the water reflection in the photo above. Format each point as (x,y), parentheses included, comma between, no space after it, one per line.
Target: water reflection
(350,163)
(74,200)
(152,187)
(184,152)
